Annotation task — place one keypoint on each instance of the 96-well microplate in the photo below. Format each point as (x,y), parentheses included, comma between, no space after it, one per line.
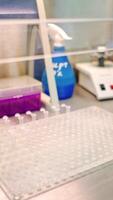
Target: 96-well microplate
(38,156)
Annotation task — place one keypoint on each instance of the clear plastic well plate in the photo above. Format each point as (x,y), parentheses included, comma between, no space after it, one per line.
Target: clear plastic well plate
(41,155)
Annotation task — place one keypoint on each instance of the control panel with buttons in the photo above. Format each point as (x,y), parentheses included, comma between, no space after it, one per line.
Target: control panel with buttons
(111,86)
(97,80)
(102,86)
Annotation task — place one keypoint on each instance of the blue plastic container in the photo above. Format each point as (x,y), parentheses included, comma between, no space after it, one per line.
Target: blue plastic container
(64,76)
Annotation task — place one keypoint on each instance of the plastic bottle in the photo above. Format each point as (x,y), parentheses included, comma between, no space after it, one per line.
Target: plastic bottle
(64,74)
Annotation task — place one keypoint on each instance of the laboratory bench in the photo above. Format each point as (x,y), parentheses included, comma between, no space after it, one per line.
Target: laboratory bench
(97,185)
(82,98)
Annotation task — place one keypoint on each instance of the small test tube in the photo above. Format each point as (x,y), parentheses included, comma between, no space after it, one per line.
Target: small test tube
(19,118)
(67,108)
(45,112)
(32,115)
(17,198)
(55,109)
(6,119)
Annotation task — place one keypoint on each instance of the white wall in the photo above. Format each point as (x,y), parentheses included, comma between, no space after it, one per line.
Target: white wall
(13,43)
